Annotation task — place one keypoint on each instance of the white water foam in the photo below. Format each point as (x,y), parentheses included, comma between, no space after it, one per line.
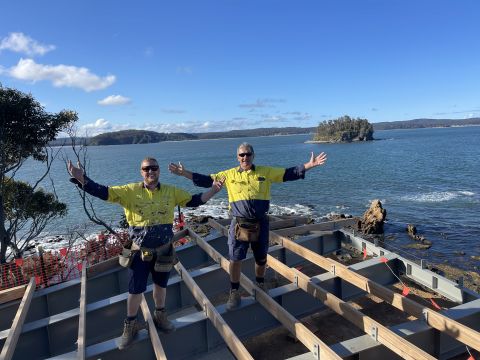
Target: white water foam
(296,209)
(437,196)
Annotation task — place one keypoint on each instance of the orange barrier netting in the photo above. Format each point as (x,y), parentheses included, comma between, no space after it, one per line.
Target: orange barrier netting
(57,266)
(52,267)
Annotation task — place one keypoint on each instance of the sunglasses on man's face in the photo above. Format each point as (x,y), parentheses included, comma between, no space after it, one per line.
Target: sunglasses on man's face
(245,154)
(150,167)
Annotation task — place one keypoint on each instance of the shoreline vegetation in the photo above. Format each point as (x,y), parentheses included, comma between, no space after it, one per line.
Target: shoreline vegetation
(125,137)
(344,130)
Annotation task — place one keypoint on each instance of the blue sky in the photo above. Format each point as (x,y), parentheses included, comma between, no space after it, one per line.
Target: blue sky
(214,65)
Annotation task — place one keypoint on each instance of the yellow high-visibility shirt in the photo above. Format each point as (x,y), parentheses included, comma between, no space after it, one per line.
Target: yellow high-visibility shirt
(253,184)
(144,207)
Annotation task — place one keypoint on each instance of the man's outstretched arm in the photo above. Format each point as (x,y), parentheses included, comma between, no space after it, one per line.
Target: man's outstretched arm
(198,179)
(200,199)
(298,172)
(91,187)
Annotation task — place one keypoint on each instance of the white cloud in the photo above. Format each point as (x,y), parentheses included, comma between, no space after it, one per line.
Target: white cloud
(60,75)
(114,100)
(21,43)
(101,126)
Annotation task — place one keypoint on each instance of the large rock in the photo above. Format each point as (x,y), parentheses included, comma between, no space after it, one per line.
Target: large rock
(374,218)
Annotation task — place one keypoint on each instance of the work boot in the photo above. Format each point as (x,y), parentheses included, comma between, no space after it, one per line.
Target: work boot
(161,321)
(233,300)
(130,329)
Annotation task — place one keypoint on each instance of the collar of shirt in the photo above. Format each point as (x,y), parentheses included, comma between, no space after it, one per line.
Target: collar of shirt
(146,187)
(241,170)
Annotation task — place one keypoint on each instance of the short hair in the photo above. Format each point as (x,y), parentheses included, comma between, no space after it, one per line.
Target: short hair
(246,146)
(148,158)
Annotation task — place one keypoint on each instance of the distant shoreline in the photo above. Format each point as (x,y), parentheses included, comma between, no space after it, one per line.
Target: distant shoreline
(261,132)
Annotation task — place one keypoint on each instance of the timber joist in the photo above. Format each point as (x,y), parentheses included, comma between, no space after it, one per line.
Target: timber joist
(68,322)
(380,333)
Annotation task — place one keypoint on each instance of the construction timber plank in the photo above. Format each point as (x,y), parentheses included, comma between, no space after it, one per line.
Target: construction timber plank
(232,341)
(300,331)
(16,329)
(82,315)
(379,332)
(436,320)
(12,294)
(152,331)
(376,330)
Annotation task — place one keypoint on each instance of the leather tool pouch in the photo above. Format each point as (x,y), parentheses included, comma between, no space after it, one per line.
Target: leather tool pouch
(166,258)
(247,230)
(125,258)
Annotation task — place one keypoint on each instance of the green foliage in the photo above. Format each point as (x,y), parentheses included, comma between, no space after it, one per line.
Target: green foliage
(425,123)
(25,128)
(21,202)
(137,137)
(25,131)
(344,129)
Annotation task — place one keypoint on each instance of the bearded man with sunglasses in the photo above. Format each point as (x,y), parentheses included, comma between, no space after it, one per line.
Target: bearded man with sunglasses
(149,209)
(248,188)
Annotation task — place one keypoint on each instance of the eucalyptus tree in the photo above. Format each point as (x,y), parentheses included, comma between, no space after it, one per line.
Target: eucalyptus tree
(25,132)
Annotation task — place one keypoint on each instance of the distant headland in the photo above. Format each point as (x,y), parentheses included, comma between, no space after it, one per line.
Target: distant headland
(145,137)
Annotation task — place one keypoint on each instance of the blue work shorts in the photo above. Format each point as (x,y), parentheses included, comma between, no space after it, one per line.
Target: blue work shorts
(237,250)
(138,275)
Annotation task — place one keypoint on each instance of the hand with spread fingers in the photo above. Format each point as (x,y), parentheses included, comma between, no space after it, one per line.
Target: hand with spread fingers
(316,160)
(179,169)
(76,171)
(218,184)
(176,169)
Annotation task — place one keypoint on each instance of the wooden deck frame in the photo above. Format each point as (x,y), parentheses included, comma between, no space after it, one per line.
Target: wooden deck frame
(82,314)
(319,349)
(17,325)
(454,329)
(12,294)
(380,333)
(232,341)
(152,331)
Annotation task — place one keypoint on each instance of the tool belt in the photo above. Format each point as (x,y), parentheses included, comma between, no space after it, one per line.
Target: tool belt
(165,256)
(247,229)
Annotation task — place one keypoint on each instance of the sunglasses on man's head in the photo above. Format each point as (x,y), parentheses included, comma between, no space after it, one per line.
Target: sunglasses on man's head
(245,154)
(150,167)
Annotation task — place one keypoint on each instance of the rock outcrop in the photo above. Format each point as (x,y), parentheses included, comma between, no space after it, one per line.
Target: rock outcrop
(423,243)
(373,219)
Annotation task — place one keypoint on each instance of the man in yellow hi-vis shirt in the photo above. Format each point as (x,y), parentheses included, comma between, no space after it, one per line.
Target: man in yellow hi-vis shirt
(149,208)
(248,188)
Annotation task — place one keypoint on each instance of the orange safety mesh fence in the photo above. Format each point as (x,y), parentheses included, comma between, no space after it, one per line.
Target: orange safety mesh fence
(52,267)
(56,266)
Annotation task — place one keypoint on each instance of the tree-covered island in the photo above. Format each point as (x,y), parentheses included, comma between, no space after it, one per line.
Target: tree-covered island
(137,137)
(344,129)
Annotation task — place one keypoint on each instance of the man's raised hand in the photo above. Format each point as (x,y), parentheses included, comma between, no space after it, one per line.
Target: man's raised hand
(318,160)
(176,169)
(75,171)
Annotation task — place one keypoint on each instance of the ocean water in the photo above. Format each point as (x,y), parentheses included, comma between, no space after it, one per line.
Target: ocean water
(426,177)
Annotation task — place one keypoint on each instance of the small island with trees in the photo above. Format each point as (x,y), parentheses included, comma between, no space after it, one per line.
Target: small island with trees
(343,129)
